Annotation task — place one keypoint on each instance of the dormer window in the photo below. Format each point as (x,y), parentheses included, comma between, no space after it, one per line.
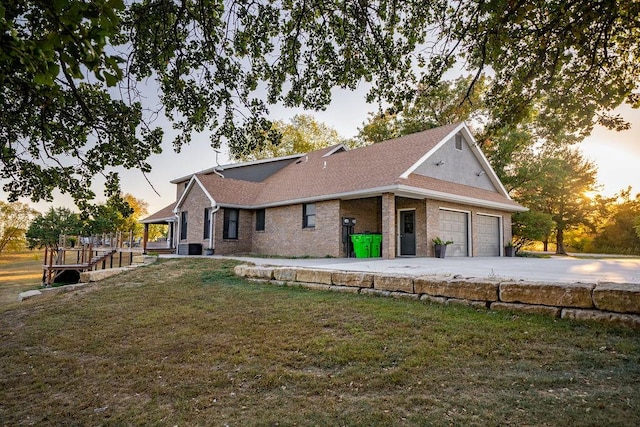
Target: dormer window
(459,140)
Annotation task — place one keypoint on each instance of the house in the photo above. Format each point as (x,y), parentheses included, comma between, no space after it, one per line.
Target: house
(412,189)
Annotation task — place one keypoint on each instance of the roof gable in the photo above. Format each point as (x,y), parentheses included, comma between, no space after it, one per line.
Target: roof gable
(466,166)
(194,181)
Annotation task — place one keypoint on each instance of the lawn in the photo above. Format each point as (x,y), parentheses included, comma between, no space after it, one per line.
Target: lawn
(19,272)
(185,342)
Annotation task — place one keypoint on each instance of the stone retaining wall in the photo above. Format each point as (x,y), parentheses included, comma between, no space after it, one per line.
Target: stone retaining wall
(610,302)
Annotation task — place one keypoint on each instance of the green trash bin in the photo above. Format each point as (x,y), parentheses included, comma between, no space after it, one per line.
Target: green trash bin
(376,244)
(368,238)
(361,245)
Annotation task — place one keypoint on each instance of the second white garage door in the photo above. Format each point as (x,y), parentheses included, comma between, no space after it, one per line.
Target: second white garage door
(455,226)
(488,235)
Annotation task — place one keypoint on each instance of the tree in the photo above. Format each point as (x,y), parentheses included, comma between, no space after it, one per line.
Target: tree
(107,217)
(71,109)
(139,209)
(61,122)
(301,135)
(14,221)
(45,230)
(530,226)
(438,105)
(618,234)
(561,177)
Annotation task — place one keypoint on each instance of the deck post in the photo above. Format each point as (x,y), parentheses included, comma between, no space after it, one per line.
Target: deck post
(145,237)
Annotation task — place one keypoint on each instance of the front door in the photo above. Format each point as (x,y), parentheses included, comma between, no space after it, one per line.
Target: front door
(407,233)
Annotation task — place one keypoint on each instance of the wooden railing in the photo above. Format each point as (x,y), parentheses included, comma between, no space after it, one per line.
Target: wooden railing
(118,240)
(86,253)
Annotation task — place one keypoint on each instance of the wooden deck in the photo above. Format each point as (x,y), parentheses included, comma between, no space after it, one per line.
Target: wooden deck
(97,252)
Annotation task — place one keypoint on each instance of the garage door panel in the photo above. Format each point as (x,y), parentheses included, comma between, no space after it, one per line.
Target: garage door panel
(488,243)
(454,226)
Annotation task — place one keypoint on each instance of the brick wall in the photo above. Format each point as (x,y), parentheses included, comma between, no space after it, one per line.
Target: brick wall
(241,245)
(367,212)
(284,235)
(180,187)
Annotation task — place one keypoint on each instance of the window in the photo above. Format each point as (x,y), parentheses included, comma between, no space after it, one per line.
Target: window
(260,220)
(459,140)
(309,215)
(230,224)
(207,223)
(183,225)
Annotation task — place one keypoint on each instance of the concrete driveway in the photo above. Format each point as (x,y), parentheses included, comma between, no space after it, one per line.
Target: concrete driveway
(554,269)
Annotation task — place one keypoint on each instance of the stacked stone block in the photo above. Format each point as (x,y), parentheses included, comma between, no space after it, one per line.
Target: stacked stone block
(610,302)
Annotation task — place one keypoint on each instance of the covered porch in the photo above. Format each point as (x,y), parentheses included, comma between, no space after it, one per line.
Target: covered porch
(408,223)
(400,220)
(165,217)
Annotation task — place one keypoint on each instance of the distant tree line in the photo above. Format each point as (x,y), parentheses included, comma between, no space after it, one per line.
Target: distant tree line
(21,226)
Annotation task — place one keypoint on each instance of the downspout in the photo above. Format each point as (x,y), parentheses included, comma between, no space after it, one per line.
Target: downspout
(176,236)
(212,231)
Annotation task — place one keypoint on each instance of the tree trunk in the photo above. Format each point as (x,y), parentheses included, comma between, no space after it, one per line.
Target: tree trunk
(545,244)
(560,249)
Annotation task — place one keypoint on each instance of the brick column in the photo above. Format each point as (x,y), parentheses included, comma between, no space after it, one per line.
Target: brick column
(388,226)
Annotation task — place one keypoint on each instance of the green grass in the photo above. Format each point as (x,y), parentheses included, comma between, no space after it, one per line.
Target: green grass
(19,272)
(185,342)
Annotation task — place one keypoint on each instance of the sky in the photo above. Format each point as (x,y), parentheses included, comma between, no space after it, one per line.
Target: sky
(617,154)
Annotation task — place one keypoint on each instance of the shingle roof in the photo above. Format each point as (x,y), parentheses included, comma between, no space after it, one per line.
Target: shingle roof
(448,187)
(161,216)
(231,192)
(373,166)
(365,170)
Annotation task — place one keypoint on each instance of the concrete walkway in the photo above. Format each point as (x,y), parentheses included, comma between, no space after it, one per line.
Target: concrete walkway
(554,269)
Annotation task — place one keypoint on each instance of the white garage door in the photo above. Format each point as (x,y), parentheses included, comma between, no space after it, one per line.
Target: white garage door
(455,226)
(488,235)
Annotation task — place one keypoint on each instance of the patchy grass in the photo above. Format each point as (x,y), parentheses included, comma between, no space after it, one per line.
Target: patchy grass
(19,272)
(185,342)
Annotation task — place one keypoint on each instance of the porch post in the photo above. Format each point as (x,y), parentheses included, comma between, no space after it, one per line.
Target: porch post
(388,226)
(145,237)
